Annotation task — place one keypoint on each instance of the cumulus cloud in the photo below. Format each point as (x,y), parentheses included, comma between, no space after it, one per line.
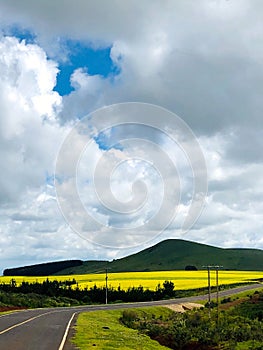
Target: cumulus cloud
(28,117)
(202,60)
(208,53)
(29,138)
(88,95)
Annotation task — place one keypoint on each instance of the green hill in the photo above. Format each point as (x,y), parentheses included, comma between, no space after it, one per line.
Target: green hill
(175,254)
(45,269)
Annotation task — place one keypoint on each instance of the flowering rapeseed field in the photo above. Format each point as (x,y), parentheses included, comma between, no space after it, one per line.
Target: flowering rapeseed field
(181,279)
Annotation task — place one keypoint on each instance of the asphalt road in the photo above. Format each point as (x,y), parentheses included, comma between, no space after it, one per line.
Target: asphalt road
(47,329)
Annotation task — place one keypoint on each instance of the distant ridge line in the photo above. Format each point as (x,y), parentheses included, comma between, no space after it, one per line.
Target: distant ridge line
(170,254)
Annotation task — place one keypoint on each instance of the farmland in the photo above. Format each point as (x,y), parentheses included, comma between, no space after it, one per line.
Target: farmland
(124,280)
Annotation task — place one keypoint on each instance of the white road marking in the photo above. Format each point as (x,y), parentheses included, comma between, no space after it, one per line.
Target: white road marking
(66,333)
(21,323)
(12,312)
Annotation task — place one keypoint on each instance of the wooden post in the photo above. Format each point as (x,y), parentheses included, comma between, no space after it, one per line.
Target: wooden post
(209,291)
(106,278)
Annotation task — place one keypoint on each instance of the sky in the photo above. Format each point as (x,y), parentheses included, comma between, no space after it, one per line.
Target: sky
(125,123)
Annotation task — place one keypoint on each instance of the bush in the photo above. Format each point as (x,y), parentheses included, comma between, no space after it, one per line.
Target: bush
(129,317)
(190,268)
(196,330)
(225,300)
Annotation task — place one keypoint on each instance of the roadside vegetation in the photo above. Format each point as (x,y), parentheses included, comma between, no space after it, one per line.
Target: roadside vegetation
(103,330)
(237,326)
(54,293)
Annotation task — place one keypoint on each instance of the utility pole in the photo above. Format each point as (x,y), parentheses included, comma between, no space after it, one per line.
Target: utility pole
(216,267)
(106,280)
(217,296)
(209,289)
(106,291)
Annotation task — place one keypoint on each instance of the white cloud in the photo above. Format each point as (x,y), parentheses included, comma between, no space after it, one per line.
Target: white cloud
(28,130)
(88,95)
(202,60)
(29,140)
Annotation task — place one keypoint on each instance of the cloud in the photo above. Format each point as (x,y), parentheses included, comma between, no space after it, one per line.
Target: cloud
(26,217)
(87,96)
(208,53)
(28,128)
(202,60)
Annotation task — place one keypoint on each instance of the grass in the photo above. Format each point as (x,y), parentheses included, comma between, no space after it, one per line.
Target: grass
(181,279)
(251,344)
(246,293)
(8,312)
(238,296)
(102,330)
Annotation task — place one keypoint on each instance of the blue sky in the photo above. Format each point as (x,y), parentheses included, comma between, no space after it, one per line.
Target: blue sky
(20,33)
(81,55)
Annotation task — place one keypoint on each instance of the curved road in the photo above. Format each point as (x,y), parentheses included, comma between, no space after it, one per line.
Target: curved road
(47,329)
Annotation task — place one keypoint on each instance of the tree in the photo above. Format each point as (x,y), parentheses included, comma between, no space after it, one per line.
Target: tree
(190,268)
(168,288)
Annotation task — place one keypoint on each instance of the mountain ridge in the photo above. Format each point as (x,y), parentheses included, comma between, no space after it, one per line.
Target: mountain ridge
(170,254)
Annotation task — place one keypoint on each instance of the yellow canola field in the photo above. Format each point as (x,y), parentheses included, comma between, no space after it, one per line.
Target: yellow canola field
(181,279)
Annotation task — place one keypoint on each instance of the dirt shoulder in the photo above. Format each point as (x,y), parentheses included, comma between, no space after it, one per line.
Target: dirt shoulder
(183,307)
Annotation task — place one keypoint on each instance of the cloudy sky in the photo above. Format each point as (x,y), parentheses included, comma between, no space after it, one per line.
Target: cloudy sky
(199,62)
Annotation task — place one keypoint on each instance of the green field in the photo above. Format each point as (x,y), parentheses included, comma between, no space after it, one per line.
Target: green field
(181,279)
(102,330)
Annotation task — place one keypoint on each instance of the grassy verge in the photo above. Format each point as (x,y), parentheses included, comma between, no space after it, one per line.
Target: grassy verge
(253,345)
(103,330)
(7,312)
(238,296)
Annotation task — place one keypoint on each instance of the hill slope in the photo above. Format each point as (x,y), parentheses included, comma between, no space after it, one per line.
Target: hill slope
(173,254)
(176,254)
(45,269)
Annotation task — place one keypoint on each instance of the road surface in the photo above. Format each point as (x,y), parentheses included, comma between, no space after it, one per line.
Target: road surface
(47,329)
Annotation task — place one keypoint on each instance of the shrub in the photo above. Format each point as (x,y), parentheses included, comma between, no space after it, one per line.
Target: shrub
(129,317)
